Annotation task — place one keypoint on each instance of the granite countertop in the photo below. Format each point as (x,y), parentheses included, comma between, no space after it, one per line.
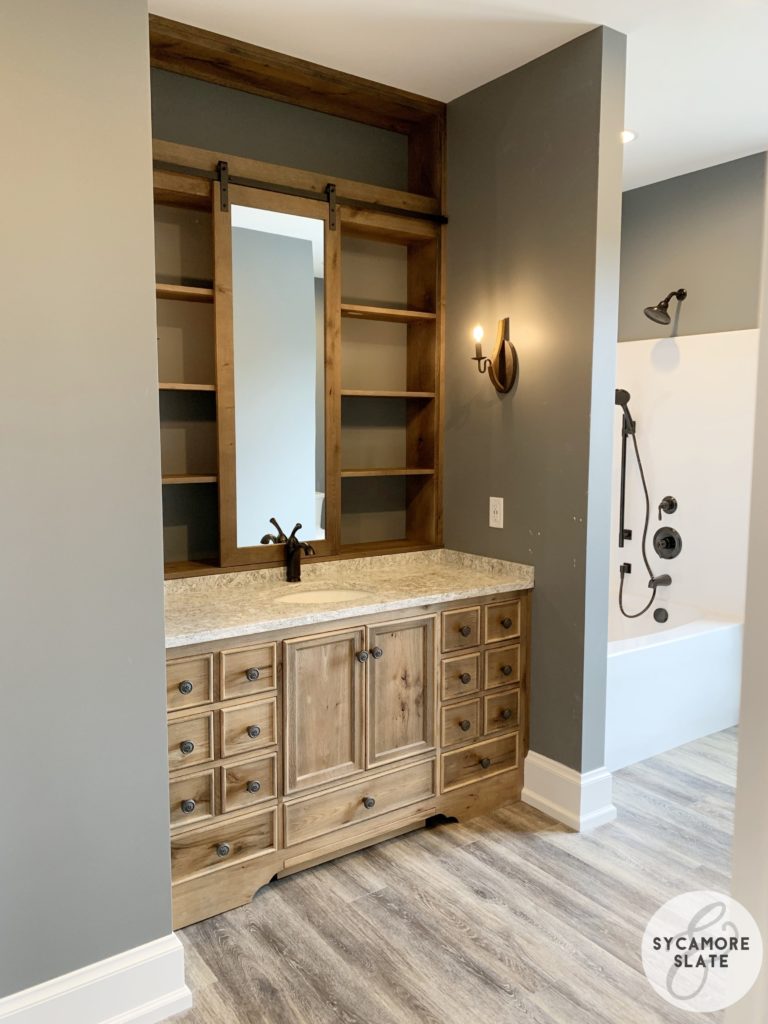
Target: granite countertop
(205,608)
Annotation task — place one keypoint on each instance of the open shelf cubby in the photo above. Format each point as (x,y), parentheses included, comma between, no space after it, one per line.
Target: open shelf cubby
(187,391)
(390,373)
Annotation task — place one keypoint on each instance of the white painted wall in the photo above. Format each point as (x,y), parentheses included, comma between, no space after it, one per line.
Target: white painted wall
(694,402)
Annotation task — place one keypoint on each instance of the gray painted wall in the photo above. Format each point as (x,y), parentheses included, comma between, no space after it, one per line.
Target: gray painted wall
(534,172)
(700,231)
(195,113)
(84,860)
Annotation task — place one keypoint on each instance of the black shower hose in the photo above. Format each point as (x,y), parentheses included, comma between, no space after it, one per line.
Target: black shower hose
(636,615)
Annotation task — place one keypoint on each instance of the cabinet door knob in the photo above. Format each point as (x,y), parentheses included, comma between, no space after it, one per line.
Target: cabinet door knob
(368,802)
(185,686)
(377,652)
(506,714)
(252,674)
(507,670)
(466,725)
(506,623)
(465,677)
(254,731)
(362,657)
(465,630)
(485,762)
(223,850)
(187,806)
(186,746)
(253,786)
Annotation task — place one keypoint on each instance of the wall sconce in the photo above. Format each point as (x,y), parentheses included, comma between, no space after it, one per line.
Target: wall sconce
(503,365)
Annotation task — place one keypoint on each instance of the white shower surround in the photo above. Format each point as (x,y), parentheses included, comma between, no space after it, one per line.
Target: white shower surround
(694,402)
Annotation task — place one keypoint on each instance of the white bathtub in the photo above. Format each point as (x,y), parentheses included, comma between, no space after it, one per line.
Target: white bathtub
(669,684)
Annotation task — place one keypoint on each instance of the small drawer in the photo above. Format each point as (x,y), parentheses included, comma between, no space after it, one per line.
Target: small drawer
(502,666)
(460,723)
(189,682)
(190,741)
(317,815)
(473,764)
(223,843)
(248,727)
(501,712)
(461,629)
(191,798)
(250,782)
(461,676)
(502,621)
(247,672)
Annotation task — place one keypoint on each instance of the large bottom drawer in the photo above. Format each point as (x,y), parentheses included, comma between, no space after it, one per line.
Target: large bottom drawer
(318,815)
(472,764)
(222,844)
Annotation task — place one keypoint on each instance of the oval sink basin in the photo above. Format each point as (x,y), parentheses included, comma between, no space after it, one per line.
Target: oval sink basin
(321,596)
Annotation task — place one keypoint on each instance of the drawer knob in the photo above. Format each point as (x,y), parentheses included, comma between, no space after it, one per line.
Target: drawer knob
(507,670)
(506,714)
(253,786)
(465,677)
(362,657)
(465,726)
(506,623)
(185,686)
(186,746)
(377,652)
(223,850)
(485,762)
(252,674)
(187,806)
(254,731)
(368,802)
(465,630)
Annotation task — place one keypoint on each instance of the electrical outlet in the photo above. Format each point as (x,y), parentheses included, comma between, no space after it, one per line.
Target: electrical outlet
(496,513)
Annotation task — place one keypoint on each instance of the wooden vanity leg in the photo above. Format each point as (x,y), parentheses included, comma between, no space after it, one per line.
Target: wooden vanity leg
(214,893)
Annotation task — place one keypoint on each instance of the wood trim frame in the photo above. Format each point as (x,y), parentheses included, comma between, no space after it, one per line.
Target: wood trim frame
(234,64)
(233,553)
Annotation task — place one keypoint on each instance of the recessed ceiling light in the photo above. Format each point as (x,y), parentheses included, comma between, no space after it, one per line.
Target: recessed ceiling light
(628,136)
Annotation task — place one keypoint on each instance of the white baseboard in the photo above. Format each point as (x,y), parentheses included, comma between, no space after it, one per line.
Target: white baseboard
(580,801)
(144,985)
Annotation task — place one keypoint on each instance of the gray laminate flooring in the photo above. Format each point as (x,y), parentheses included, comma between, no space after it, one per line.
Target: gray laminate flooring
(508,918)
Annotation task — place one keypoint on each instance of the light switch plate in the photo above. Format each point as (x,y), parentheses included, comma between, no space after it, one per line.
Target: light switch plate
(496,513)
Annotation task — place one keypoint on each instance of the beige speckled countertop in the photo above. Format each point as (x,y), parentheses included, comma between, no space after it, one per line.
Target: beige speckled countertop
(205,608)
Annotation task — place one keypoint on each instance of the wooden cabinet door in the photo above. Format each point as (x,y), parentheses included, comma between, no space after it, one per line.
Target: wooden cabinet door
(324,708)
(401,689)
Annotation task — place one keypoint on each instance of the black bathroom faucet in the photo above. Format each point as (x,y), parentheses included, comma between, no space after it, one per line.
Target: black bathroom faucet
(293,549)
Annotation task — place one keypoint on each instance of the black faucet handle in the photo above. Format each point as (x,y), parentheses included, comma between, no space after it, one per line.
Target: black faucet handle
(281,538)
(295,530)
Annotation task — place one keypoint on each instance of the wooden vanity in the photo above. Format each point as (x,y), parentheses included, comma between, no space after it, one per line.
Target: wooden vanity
(290,747)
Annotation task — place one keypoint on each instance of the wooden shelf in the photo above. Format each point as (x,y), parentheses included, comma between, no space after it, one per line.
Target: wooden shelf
(352,473)
(173,386)
(189,478)
(385,314)
(183,292)
(353,393)
(179,570)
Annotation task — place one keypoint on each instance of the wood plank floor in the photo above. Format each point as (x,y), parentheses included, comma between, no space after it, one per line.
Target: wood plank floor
(505,919)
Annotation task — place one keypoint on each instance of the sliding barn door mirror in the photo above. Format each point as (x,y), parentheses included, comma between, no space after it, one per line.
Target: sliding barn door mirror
(276,263)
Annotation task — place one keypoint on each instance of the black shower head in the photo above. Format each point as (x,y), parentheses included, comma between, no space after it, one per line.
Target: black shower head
(660,314)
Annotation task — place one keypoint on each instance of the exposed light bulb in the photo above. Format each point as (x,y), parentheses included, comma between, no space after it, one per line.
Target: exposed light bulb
(478,333)
(628,136)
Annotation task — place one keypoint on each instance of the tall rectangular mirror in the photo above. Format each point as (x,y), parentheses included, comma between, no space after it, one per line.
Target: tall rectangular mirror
(272,319)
